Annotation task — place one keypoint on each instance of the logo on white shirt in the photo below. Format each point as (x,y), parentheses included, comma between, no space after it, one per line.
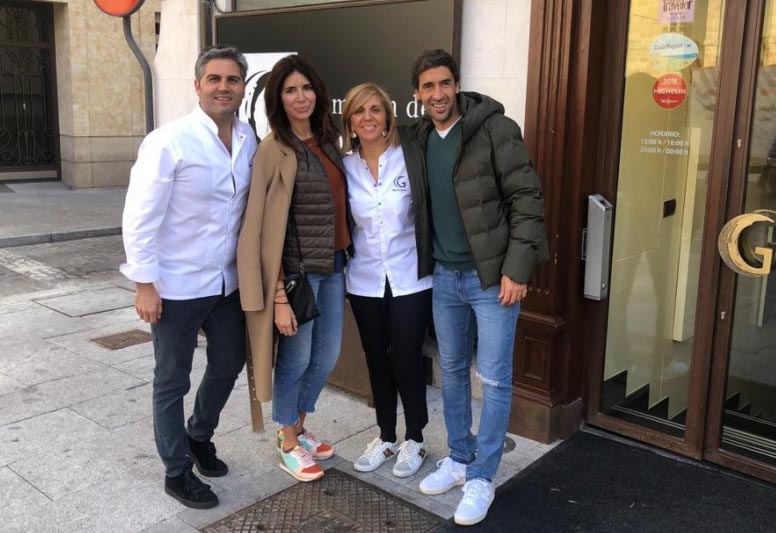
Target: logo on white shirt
(400,183)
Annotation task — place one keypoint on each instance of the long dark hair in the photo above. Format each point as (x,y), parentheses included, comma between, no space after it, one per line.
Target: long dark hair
(324,129)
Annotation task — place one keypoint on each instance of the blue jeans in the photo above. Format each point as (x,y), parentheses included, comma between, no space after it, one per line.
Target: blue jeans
(306,359)
(460,304)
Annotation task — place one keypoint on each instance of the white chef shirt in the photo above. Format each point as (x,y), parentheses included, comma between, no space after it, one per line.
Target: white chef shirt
(384,233)
(184,206)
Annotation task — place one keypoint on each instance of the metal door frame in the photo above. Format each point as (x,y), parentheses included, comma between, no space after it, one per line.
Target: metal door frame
(52,169)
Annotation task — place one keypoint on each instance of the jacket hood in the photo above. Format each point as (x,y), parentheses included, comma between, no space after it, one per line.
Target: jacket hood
(475,109)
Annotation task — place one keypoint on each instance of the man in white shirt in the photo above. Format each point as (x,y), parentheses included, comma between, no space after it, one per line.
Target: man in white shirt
(184,205)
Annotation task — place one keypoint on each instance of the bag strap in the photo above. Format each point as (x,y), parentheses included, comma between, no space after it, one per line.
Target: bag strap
(292,217)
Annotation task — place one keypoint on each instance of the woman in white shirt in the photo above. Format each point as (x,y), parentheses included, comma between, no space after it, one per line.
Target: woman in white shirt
(388,279)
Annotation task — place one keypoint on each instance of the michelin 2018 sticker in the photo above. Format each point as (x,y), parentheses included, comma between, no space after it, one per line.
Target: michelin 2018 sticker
(672,51)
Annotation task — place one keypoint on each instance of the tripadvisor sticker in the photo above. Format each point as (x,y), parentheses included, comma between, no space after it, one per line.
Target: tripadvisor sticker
(672,51)
(669,90)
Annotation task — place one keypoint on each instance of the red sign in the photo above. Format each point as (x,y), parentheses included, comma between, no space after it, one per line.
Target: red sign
(669,90)
(119,8)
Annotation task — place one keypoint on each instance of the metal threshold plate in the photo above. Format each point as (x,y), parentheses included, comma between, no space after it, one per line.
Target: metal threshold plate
(337,503)
(117,341)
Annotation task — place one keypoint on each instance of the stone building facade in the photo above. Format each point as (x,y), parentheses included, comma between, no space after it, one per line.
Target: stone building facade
(74,110)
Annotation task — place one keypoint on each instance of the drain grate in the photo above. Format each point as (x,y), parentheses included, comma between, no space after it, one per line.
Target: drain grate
(337,503)
(117,341)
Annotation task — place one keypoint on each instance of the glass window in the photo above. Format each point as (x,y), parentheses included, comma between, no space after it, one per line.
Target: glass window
(671,80)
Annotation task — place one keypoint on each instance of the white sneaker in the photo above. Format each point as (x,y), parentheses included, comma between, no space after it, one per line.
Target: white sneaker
(477,496)
(377,452)
(448,475)
(411,456)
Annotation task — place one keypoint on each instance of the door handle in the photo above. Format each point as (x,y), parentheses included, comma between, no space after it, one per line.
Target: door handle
(738,255)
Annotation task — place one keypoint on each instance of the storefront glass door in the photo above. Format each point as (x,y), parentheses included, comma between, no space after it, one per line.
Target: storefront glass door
(749,402)
(671,81)
(690,351)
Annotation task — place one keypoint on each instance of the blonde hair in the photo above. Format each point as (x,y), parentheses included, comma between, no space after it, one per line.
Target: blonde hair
(355,99)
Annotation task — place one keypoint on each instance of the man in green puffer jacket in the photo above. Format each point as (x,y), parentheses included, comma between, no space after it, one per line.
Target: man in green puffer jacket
(487,212)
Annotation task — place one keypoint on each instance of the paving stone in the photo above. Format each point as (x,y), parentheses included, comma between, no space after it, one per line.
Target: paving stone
(56,363)
(140,367)
(25,403)
(143,367)
(13,305)
(339,415)
(77,389)
(35,435)
(79,342)
(45,519)
(17,495)
(39,323)
(126,317)
(118,408)
(69,467)
(25,350)
(40,211)
(526,451)
(14,283)
(123,504)
(172,525)
(248,455)
(90,302)
(139,435)
(8,385)
(45,397)
(237,414)
(125,283)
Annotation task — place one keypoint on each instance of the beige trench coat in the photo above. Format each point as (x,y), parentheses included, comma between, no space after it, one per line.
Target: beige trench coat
(259,255)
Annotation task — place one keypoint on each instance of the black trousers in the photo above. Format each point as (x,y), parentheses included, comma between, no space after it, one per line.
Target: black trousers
(392,329)
(175,337)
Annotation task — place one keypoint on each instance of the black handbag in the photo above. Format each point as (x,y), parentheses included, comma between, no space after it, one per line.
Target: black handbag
(302,299)
(299,290)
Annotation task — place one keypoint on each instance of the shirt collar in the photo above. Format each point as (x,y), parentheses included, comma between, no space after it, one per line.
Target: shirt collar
(388,151)
(205,119)
(238,136)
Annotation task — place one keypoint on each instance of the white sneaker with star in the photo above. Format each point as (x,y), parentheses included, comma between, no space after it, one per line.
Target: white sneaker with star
(410,458)
(377,452)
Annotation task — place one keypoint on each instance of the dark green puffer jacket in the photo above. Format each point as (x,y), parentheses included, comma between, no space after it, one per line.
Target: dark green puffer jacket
(415,161)
(499,195)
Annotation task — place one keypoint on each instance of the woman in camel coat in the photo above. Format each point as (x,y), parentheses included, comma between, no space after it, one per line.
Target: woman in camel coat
(297,170)
(259,254)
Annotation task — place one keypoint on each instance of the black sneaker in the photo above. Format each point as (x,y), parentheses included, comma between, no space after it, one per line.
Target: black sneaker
(190,491)
(204,456)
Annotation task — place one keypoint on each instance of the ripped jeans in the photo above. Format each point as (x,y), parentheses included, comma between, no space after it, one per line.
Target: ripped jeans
(460,305)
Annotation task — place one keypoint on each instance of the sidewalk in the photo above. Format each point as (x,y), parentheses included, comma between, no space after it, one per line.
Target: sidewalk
(76,437)
(32,213)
